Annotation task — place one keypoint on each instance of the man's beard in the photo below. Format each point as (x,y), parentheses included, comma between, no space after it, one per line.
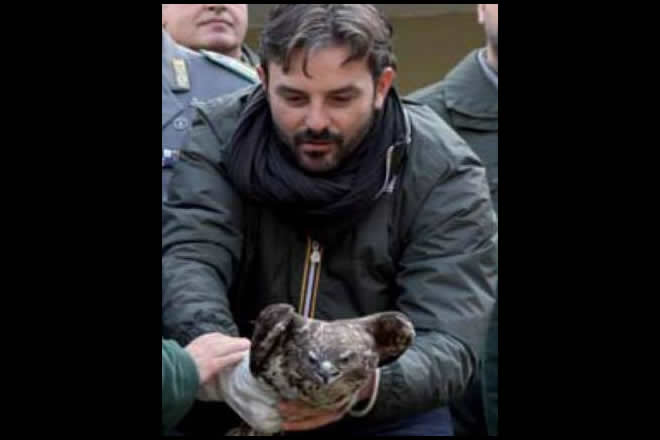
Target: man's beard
(343,150)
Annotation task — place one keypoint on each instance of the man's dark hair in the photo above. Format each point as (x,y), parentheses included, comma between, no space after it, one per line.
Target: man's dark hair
(362,28)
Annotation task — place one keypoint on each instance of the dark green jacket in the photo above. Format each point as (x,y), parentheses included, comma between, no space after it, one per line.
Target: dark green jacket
(427,248)
(180,384)
(468,101)
(490,373)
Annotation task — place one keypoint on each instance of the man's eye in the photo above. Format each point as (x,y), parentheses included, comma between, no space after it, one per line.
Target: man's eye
(295,100)
(341,99)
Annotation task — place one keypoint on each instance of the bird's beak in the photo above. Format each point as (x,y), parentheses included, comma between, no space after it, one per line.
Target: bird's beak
(328,372)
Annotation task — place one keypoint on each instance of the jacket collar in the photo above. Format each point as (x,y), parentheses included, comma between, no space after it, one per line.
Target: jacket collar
(232,64)
(249,57)
(396,152)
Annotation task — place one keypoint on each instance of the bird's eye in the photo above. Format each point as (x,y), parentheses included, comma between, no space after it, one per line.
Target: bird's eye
(344,359)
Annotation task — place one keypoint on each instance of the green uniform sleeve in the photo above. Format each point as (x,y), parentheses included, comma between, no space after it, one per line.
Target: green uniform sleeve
(180,384)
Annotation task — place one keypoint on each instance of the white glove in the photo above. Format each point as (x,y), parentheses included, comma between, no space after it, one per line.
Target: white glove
(254,401)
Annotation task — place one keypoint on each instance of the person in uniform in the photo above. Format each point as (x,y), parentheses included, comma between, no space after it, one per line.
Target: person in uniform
(188,78)
(467,100)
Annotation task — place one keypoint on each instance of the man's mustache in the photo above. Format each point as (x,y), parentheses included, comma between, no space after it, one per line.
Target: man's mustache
(310,136)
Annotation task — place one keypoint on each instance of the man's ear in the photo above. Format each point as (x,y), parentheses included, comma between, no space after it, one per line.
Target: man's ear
(480,13)
(263,76)
(163,21)
(383,85)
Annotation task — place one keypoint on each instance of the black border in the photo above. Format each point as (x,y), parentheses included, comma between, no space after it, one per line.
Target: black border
(90,142)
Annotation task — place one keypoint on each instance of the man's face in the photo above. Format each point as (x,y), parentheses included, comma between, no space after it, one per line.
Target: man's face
(324,117)
(488,17)
(219,28)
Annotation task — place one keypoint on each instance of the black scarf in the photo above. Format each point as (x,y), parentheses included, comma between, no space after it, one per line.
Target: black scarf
(265,171)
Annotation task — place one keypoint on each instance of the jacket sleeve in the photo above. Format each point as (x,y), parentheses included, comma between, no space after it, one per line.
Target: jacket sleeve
(490,374)
(446,278)
(201,241)
(180,384)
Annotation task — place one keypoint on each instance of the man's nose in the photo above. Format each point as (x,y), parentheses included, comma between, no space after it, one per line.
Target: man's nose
(316,119)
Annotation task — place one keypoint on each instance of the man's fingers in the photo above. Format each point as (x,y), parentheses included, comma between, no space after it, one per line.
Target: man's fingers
(300,410)
(224,340)
(214,365)
(298,416)
(297,411)
(311,423)
(218,339)
(230,359)
(228,347)
(217,344)
(299,407)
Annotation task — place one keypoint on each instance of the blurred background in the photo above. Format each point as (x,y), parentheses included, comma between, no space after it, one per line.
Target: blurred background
(428,39)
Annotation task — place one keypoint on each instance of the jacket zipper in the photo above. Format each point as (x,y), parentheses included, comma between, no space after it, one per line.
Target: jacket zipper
(310,282)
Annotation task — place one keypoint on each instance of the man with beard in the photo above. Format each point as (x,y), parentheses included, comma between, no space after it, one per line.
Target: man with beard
(467,100)
(323,189)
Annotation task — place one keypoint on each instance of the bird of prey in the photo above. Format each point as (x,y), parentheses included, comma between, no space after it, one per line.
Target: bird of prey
(323,363)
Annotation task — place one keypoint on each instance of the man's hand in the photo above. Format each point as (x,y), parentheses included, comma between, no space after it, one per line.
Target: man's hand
(254,401)
(214,351)
(298,416)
